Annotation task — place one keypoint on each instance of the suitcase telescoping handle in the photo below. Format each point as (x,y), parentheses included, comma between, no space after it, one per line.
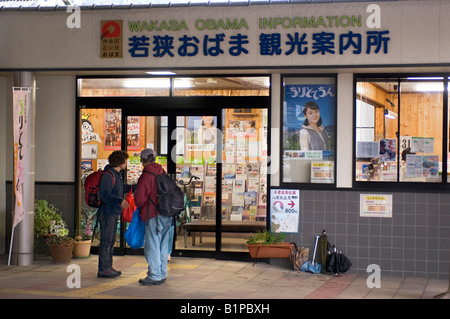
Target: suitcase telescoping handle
(315,249)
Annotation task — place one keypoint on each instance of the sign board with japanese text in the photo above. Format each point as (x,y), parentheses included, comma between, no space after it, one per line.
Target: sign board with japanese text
(284,210)
(335,34)
(376,205)
(282,35)
(111,39)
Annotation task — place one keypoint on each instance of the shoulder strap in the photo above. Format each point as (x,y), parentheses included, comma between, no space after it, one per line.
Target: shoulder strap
(112,175)
(151,201)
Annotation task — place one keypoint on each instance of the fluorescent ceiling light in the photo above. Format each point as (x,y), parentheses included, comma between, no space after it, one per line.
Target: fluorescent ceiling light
(425,78)
(158,83)
(161,73)
(430,87)
(183,83)
(389,114)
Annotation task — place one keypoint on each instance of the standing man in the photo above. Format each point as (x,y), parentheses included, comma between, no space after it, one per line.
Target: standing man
(112,190)
(156,226)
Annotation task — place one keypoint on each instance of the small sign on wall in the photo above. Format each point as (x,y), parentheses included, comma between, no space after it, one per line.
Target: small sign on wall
(376,205)
(111,39)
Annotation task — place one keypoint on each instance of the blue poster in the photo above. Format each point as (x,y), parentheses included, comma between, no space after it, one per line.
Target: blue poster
(310,118)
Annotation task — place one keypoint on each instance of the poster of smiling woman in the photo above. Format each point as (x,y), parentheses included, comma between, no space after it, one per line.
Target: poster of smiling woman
(309,130)
(309,120)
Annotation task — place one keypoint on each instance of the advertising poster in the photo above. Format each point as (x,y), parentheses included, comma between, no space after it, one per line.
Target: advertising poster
(316,101)
(134,133)
(322,172)
(388,150)
(113,129)
(21,100)
(376,205)
(422,144)
(285,210)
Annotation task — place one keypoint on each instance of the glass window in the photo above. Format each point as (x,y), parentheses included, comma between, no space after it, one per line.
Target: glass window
(181,86)
(309,130)
(92,87)
(222,86)
(407,119)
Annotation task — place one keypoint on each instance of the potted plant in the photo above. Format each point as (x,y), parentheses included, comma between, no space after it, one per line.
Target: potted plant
(267,244)
(49,224)
(82,245)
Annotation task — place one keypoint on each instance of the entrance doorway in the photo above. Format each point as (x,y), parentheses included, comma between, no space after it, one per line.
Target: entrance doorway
(215,149)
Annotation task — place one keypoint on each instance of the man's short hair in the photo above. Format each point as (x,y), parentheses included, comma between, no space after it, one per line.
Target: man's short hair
(117,158)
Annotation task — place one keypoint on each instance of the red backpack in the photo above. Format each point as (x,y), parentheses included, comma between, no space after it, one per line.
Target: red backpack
(92,187)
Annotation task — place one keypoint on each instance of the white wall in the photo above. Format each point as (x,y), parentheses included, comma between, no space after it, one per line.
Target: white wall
(55,130)
(345,105)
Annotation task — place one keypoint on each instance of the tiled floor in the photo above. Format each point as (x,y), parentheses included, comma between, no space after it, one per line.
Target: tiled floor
(201,278)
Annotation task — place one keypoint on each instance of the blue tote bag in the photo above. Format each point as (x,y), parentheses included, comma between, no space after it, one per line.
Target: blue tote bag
(135,233)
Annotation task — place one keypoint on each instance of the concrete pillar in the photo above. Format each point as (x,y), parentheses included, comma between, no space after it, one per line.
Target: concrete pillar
(23,242)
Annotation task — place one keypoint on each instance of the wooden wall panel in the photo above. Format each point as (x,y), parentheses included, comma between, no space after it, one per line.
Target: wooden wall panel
(421,113)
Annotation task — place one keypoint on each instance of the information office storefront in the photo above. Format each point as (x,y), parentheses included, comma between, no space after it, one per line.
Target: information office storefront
(352,63)
(205,138)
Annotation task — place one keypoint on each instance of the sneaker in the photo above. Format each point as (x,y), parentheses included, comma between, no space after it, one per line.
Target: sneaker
(107,274)
(147,281)
(168,257)
(116,271)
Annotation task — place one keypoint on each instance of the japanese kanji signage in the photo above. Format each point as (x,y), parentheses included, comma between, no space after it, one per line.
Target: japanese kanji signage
(284,210)
(111,39)
(21,100)
(240,37)
(375,205)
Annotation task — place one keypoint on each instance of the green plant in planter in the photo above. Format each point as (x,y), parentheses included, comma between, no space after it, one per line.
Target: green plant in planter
(49,224)
(45,215)
(266,238)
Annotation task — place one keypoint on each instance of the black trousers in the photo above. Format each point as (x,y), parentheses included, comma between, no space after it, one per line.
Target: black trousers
(108,230)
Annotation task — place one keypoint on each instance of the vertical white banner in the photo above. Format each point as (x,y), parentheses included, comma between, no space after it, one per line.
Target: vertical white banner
(21,98)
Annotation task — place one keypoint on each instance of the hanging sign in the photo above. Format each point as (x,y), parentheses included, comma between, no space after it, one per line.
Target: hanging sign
(21,98)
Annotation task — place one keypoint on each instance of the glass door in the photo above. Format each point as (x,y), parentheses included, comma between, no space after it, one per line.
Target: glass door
(186,148)
(219,161)
(196,173)
(244,176)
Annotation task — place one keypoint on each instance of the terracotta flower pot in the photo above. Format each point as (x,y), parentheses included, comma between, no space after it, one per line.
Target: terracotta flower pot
(61,253)
(82,249)
(280,250)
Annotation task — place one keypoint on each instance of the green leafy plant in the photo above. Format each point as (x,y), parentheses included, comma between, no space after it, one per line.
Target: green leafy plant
(45,215)
(49,224)
(266,238)
(59,240)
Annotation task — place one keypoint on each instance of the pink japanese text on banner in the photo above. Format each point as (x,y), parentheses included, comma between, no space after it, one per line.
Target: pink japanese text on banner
(21,98)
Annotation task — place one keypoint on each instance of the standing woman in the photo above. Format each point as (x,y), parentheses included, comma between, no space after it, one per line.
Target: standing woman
(313,135)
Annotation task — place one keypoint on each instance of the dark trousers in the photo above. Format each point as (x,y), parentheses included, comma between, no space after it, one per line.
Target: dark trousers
(108,230)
